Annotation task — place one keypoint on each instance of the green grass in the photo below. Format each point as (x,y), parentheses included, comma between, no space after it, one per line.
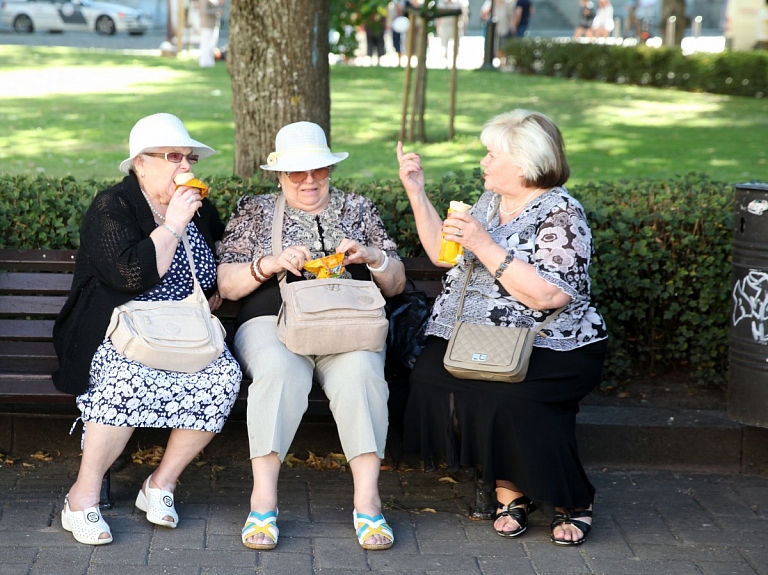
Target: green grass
(68,111)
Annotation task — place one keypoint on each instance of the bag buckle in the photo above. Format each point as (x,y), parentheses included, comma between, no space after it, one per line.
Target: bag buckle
(479,357)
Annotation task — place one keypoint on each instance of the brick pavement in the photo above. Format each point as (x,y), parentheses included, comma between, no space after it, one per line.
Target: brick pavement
(647,522)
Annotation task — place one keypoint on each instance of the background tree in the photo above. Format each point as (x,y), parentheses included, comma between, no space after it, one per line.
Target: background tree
(278,63)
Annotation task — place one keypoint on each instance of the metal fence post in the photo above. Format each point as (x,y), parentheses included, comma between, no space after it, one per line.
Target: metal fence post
(669,39)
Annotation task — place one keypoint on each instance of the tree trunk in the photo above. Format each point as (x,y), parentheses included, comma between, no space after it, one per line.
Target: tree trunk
(278,63)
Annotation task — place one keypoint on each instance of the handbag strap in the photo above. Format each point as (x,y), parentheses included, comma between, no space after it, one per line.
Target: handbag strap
(196,289)
(460,308)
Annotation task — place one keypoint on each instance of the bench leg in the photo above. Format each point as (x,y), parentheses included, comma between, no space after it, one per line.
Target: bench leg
(105,497)
(483,507)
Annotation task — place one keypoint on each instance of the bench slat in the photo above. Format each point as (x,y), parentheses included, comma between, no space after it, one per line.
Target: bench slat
(31,390)
(31,305)
(39,260)
(36,283)
(26,329)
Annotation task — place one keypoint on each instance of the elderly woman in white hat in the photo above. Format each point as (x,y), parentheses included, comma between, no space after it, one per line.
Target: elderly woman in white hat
(319,220)
(131,249)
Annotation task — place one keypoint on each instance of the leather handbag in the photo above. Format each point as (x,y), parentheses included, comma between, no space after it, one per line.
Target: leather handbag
(490,352)
(328,316)
(178,335)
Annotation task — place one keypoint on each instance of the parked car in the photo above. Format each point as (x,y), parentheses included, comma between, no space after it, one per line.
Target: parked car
(73,15)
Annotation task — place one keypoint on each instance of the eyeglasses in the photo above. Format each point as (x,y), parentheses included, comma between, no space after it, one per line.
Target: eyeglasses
(175,157)
(320,175)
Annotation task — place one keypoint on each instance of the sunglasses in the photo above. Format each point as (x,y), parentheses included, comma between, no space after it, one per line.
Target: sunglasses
(175,157)
(320,175)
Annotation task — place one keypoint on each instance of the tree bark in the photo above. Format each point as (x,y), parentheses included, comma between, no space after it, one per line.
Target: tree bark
(278,63)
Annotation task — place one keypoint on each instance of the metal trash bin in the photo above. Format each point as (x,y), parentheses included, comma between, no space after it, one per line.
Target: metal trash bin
(748,350)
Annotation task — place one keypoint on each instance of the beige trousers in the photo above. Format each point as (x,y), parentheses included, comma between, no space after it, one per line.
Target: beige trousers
(278,397)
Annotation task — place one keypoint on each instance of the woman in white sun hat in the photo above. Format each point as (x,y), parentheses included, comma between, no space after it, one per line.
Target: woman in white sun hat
(319,220)
(131,248)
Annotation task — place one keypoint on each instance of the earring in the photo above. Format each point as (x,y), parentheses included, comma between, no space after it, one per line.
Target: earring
(141,174)
(279,186)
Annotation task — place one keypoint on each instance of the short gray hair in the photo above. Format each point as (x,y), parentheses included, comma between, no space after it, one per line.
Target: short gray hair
(534,141)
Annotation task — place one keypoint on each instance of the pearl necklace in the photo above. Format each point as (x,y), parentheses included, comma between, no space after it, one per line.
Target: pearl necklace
(151,207)
(518,208)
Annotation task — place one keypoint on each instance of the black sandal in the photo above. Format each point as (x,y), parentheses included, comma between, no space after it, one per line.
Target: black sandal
(519,509)
(571,517)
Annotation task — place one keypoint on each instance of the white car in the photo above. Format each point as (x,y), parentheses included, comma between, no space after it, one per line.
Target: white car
(73,15)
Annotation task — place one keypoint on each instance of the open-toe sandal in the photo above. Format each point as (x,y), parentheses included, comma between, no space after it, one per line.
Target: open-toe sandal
(367,526)
(85,525)
(574,518)
(519,509)
(265,523)
(157,504)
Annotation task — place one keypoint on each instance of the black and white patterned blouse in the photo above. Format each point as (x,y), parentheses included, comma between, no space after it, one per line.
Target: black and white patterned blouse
(551,234)
(249,231)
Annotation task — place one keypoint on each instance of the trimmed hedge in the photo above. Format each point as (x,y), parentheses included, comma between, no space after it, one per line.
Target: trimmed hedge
(660,273)
(734,73)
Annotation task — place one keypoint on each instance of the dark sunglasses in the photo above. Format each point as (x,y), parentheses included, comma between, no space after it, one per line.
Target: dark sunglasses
(320,174)
(175,157)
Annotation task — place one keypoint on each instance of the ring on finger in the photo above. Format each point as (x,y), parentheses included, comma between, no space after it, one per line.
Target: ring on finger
(190,200)
(458,233)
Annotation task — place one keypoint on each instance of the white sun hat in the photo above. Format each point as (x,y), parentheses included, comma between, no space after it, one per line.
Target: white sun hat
(301,146)
(161,131)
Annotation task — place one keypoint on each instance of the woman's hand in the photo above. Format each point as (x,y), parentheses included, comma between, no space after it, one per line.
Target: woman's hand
(464,229)
(214,302)
(357,253)
(182,207)
(411,174)
(291,260)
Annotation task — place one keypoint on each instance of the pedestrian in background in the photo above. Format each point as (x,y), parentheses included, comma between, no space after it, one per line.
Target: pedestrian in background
(586,16)
(602,25)
(210,21)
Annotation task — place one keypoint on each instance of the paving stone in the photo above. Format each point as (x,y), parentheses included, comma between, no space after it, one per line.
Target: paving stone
(636,567)
(725,568)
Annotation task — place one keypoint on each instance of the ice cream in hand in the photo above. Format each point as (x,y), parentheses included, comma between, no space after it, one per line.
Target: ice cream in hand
(189,179)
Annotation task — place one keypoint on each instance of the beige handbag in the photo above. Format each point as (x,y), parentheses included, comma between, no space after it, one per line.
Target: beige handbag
(490,352)
(170,335)
(328,316)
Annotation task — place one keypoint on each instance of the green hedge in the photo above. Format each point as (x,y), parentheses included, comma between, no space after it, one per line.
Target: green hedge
(660,274)
(735,73)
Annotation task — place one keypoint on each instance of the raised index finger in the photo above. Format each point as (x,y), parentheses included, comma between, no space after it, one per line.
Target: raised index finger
(400,152)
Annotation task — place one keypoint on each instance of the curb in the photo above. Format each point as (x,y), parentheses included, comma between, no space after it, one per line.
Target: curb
(611,437)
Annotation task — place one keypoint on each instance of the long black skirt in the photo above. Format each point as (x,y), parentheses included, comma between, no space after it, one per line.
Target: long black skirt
(520,432)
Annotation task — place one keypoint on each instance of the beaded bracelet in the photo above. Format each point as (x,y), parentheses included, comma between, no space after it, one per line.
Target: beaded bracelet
(382,267)
(259,278)
(170,229)
(504,265)
(261,272)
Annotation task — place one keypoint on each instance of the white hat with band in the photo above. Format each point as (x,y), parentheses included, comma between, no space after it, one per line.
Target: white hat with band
(299,147)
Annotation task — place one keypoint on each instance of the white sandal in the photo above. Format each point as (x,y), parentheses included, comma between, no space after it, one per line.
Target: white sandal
(157,504)
(85,525)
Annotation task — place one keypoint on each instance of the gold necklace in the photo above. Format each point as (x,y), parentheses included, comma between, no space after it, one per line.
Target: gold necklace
(518,208)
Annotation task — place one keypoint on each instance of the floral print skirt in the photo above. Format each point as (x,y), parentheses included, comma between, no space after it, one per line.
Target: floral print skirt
(126,393)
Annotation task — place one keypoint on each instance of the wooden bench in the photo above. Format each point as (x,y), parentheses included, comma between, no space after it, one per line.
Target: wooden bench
(34,285)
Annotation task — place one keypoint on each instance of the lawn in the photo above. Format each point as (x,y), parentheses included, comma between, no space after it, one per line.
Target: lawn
(68,111)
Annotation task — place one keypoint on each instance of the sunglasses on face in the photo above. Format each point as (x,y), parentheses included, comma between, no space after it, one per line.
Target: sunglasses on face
(320,175)
(174,157)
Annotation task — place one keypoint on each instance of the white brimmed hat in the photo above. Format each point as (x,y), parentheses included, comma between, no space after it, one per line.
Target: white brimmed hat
(301,146)
(161,131)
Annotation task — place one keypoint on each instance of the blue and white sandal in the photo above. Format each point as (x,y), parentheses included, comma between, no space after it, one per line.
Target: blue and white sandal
(265,523)
(367,526)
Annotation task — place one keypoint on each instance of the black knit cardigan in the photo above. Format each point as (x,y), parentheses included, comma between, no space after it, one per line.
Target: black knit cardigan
(116,262)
